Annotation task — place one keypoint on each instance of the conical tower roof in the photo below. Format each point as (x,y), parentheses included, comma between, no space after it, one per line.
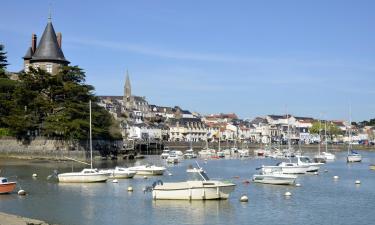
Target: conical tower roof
(48,49)
(29,54)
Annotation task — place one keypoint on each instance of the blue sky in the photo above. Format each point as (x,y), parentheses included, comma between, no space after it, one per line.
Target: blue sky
(250,57)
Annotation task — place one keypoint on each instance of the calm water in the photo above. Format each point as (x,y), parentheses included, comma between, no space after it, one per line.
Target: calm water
(320,199)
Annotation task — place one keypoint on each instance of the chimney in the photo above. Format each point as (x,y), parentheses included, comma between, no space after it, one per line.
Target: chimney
(59,38)
(33,42)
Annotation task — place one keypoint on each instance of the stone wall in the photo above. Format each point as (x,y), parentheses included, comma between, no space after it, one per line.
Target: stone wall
(53,149)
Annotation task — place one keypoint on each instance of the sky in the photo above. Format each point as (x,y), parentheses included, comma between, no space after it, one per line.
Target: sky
(254,58)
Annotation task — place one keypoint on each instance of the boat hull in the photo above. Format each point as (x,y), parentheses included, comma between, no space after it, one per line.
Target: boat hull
(188,191)
(274,179)
(354,158)
(91,178)
(148,170)
(7,187)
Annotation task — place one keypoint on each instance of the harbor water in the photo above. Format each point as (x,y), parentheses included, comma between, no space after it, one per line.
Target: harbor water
(319,200)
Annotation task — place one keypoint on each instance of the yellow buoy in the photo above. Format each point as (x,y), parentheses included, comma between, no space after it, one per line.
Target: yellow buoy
(130,189)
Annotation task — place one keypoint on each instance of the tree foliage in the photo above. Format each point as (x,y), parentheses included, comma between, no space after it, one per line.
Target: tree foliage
(3,61)
(332,129)
(55,106)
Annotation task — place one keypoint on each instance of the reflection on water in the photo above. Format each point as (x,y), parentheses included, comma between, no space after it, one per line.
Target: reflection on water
(320,199)
(198,212)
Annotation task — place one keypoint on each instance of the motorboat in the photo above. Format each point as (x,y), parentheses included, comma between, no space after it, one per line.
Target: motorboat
(6,186)
(290,168)
(89,175)
(306,161)
(165,153)
(148,170)
(354,156)
(120,172)
(190,154)
(206,153)
(173,158)
(372,167)
(84,176)
(244,153)
(220,154)
(320,158)
(329,156)
(259,152)
(274,176)
(197,187)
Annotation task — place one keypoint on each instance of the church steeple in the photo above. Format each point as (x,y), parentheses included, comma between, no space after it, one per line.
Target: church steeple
(127,88)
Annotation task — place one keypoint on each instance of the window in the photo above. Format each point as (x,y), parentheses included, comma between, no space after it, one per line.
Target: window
(27,68)
(49,68)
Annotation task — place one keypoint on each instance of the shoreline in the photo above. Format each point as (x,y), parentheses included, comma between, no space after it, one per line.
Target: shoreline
(55,156)
(11,219)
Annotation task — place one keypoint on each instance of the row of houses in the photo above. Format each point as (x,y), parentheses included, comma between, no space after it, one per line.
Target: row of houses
(143,121)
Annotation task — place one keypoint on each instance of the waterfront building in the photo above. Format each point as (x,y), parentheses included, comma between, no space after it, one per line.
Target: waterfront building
(48,54)
(187,129)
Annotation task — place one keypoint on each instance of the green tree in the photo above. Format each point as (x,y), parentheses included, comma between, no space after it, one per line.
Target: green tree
(3,61)
(332,129)
(57,106)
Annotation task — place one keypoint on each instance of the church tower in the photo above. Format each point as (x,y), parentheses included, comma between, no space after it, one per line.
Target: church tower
(127,92)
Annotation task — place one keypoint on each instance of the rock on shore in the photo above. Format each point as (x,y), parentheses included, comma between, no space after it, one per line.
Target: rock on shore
(9,219)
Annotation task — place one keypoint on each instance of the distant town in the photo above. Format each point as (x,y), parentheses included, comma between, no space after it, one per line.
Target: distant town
(141,120)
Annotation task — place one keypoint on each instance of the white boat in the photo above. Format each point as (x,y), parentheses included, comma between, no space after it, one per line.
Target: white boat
(197,187)
(329,156)
(173,157)
(165,153)
(206,153)
(190,154)
(86,175)
(244,153)
(148,170)
(319,158)
(273,176)
(289,168)
(120,172)
(305,161)
(352,155)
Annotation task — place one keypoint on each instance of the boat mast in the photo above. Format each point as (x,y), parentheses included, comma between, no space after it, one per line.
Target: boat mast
(289,144)
(320,125)
(325,135)
(90,136)
(350,130)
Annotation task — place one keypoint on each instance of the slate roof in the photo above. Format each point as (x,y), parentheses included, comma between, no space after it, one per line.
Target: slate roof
(48,49)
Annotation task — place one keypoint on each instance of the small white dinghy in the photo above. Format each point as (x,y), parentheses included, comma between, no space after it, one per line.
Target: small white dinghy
(148,170)
(120,172)
(273,176)
(197,187)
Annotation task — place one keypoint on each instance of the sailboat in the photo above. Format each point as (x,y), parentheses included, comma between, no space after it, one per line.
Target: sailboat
(319,158)
(329,156)
(87,175)
(352,155)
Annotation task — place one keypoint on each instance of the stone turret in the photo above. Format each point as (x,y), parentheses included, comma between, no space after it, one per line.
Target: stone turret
(48,55)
